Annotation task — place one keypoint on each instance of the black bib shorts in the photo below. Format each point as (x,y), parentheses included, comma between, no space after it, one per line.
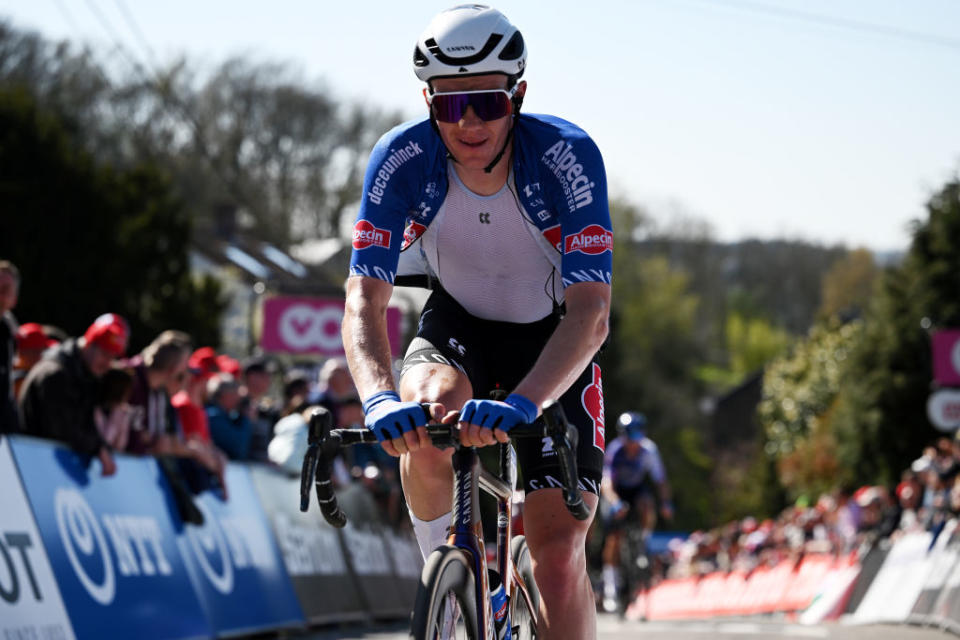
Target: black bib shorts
(497,355)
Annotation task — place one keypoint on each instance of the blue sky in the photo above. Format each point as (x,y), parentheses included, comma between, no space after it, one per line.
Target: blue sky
(828,121)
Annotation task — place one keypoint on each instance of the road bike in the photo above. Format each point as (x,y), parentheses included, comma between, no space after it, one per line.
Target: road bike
(453,599)
(635,568)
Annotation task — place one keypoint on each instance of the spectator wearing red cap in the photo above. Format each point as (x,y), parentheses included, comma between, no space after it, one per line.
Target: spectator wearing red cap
(32,341)
(229,365)
(59,395)
(190,401)
(206,466)
(9,290)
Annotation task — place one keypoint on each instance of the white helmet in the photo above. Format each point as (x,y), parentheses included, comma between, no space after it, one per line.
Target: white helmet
(469,39)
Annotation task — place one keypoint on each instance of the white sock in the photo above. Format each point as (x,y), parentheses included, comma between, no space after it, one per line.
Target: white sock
(430,533)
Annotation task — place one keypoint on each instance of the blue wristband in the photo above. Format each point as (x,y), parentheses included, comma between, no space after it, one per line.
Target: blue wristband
(380,396)
(524,405)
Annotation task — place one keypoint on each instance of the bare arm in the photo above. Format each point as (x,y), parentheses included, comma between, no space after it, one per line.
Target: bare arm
(572,345)
(365,334)
(368,350)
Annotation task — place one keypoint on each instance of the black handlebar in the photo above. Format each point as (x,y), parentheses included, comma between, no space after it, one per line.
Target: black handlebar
(323,443)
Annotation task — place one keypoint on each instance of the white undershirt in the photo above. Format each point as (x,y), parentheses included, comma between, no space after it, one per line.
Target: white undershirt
(488,255)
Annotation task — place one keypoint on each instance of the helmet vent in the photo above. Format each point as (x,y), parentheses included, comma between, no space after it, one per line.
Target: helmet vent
(419,60)
(513,48)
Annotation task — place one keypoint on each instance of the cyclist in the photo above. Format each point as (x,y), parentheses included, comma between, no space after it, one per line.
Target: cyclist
(505,216)
(631,468)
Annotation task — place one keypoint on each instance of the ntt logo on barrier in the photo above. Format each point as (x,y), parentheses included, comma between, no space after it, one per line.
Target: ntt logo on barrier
(208,541)
(136,541)
(80,531)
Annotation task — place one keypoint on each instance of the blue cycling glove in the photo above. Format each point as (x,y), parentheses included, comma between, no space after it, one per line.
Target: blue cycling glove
(389,417)
(514,410)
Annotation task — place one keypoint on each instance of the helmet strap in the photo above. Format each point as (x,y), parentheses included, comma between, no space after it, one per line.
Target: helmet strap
(496,159)
(517,101)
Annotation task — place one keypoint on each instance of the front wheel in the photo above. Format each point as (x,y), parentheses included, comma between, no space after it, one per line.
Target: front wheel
(523,614)
(445,608)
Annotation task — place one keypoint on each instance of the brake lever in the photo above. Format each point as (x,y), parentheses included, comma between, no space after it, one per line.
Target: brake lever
(565,440)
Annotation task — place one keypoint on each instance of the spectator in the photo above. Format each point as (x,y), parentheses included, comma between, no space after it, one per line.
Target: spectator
(9,290)
(32,341)
(230,429)
(191,400)
(60,392)
(229,365)
(336,384)
(258,406)
(199,461)
(296,385)
(153,429)
(113,412)
(289,444)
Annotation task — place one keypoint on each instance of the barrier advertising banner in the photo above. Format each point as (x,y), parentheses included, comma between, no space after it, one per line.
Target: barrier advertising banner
(312,325)
(111,544)
(30,602)
(311,550)
(941,559)
(947,605)
(369,557)
(899,582)
(235,564)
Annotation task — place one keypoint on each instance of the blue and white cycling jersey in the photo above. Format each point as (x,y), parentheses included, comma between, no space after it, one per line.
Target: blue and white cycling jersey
(558,180)
(627,472)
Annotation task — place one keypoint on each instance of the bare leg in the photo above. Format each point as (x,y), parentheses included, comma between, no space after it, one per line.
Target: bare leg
(558,550)
(426,474)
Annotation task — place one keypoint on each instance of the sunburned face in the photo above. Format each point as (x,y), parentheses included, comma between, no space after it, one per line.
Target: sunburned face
(472,141)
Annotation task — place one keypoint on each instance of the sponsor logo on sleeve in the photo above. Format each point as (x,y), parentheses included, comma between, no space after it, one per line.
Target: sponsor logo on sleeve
(554,236)
(394,161)
(591,240)
(366,235)
(413,231)
(577,186)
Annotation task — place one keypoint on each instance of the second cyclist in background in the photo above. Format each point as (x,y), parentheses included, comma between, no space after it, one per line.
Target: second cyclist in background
(632,471)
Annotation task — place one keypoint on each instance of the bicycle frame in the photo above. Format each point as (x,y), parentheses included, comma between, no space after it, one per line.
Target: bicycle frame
(467,533)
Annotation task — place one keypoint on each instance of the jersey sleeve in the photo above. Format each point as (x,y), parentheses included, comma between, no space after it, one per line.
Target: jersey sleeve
(658,472)
(392,180)
(586,231)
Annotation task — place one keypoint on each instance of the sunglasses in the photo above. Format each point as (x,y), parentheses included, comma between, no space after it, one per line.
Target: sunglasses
(488,104)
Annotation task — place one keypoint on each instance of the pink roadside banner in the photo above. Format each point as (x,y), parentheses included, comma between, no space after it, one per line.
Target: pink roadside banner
(306,325)
(946,357)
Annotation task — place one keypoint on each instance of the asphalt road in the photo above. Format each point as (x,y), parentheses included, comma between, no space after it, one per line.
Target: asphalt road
(609,627)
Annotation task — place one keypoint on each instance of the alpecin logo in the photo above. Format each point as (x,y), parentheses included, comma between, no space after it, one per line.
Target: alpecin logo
(576,184)
(592,401)
(366,235)
(592,240)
